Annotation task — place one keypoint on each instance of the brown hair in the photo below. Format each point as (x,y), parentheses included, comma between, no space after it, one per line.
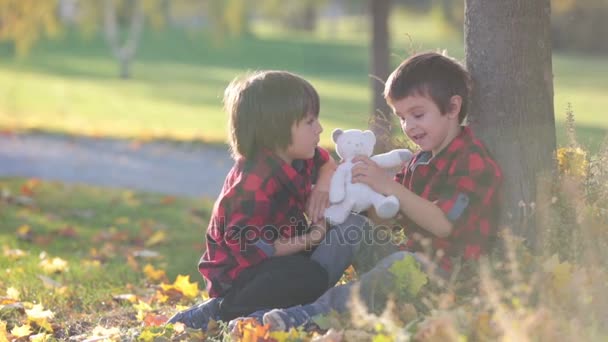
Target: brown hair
(431,74)
(263,106)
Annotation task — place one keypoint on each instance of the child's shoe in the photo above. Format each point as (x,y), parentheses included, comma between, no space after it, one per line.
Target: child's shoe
(198,316)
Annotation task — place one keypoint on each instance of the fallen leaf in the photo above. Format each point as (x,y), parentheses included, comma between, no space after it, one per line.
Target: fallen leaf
(122,220)
(100,333)
(142,309)
(153,320)
(14,254)
(29,186)
(24,232)
(168,200)
(250,330)
(127,297)
(22,331)
(41,337)
(68,231)
(154,274)
(38,315)
(12,293)
(182,284)
(55,265)
(146,254)
(132,263)
(3,332)
(156,238)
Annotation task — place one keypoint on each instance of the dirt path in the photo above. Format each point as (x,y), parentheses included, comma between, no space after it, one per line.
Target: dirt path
(169,168)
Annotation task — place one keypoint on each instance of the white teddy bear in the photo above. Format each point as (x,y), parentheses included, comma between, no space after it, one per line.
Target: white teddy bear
(345,196)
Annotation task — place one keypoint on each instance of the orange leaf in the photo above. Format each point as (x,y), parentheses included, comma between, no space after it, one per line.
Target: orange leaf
(168,200)
(68,231)
(152,320)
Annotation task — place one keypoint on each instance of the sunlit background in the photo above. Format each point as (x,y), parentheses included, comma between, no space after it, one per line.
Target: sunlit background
(159,70)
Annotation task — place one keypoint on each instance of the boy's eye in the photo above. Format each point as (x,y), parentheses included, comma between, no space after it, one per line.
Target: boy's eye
(418,116)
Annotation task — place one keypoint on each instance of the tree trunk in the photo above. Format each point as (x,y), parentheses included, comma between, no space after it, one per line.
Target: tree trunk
(380,120)
(123,54)
(508,52)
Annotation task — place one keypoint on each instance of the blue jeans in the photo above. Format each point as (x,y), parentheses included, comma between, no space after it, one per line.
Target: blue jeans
(373,286)
(341,246)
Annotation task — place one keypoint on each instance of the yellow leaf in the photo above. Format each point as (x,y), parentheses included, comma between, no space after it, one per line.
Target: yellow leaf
(142,308)
(108,333)
(41,337)
(122,220)
(182,284)
(22,331)
(24,230)
(12,293)
(55,265)
(561,272)
(156,238)
(14,254)
(3,332)
(160,297)
(153,274)
(38,315)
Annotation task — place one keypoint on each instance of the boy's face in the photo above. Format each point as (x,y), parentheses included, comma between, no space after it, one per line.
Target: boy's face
(305,136)
(423,122)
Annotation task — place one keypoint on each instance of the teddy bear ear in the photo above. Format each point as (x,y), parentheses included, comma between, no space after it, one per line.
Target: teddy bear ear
(335,134)
(370,137)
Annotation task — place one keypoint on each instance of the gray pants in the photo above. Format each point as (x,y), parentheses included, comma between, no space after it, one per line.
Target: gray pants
(374,287)
(342,246)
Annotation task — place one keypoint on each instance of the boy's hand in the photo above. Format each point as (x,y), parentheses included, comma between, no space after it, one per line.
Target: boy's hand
(366,171)
(319,197)
(317,203)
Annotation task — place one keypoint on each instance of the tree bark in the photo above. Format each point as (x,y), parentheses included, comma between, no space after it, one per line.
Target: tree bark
(508,52)
(381,117)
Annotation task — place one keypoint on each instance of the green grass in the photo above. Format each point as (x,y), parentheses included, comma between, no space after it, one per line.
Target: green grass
(115,223)
(96,231)
(70,85)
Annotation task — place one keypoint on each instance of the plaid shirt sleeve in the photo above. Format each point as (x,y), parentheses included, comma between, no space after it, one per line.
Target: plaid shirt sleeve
(468,193)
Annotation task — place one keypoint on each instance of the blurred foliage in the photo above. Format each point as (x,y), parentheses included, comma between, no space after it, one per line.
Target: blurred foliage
(294,14)
(91,16)
(23,22)
(229,16)
(580,25)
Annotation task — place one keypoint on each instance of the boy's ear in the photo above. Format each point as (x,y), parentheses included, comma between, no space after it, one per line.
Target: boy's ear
(335,134)
(454,106)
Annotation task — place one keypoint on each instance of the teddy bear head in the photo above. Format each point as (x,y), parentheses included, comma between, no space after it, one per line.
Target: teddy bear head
(353,142)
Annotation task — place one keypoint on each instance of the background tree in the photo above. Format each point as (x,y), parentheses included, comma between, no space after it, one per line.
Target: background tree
(23,22)
(508,52)
(123,24)
(381,118)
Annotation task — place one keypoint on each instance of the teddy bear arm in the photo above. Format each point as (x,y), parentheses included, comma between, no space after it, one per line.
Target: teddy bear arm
(392,158)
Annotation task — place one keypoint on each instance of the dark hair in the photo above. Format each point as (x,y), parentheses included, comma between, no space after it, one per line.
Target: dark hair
(431,74)
(262,108)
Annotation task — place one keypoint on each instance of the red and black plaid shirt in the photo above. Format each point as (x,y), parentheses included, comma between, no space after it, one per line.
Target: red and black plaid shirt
(262,199)
(463,180)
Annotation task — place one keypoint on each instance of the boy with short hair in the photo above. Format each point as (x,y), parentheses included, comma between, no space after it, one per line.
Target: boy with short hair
(447,192)
(261,250)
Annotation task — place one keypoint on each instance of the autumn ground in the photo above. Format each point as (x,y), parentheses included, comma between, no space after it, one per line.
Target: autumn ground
(82,263)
